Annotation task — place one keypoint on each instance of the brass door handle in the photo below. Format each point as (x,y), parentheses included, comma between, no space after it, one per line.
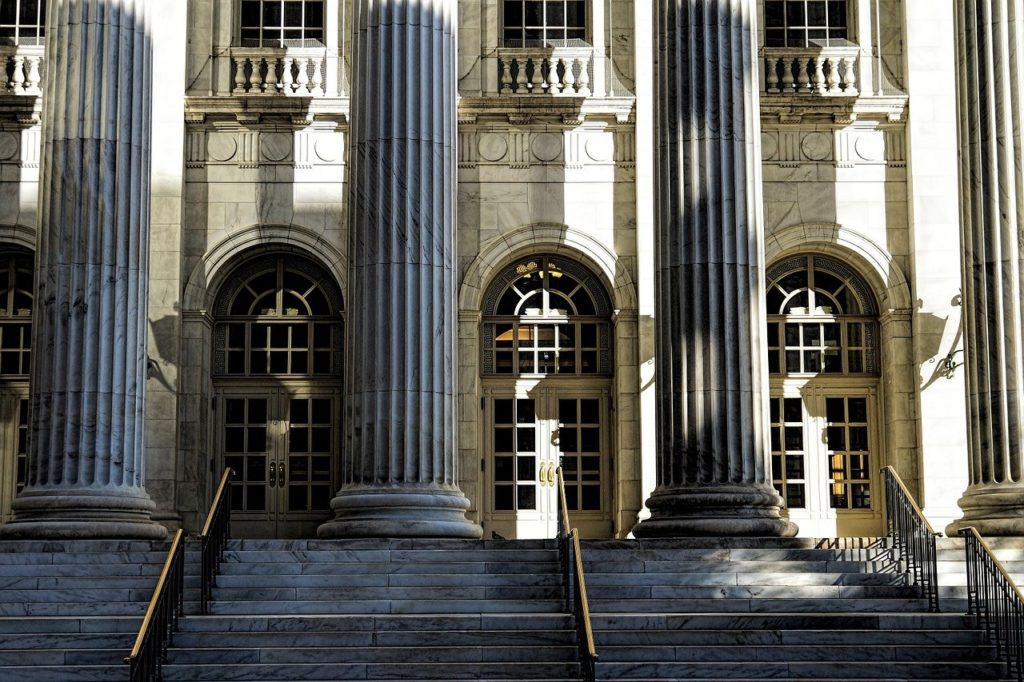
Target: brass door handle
(281,476)
(551,475)
(542,477)
(273,474)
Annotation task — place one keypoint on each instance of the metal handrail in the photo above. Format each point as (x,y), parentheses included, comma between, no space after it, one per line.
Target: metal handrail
(576,586)
(995,599)
(165,608)
(913,536)
(216,532)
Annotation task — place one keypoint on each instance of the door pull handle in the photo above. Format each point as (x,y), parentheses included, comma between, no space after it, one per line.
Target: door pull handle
(552,479)
(273,474)
(281,476)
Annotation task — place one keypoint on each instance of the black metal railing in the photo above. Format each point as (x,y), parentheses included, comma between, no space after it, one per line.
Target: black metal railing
(575,586)
(215,535)
(912,536)
(165,608)
(996,600)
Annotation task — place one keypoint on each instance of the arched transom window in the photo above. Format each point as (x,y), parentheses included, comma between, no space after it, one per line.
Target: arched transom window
(279,316)
(16,279)
(821,319)
(546,315)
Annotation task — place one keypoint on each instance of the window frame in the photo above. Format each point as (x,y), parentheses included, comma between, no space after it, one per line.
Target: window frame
(39,39)
(585,29)
(280,42)
(785,31)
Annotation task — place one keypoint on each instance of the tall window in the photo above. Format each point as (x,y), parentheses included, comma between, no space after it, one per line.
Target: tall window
(547,315)
(280,316)
(800,23)
(823,360)
(282,23)
(16,285)
(22,22)
(534,22)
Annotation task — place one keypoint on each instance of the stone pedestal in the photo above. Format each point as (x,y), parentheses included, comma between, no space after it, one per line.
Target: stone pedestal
(400,453)
(85,476)
(712,388)
(990,76)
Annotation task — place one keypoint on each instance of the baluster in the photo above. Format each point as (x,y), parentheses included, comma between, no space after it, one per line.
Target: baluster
(787,76)
(287,79)
(521,76)
(833,76)
(803,79)
(33,77)
(271,80)
(537,79)
(302,77)
(818,81)
(505,77)
(850,76)
(316,84)
(771,77)
(17,75)
(584,79)
(255,77)
(239,75)
(554,85)
(568,78)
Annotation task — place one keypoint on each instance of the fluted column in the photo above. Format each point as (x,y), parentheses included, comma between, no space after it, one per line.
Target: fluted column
(990,50)
(400,452)
(85,474)
(713,476)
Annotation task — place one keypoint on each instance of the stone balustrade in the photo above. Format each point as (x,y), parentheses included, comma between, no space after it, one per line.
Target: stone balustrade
(298,72)
(23,69)
(545,70)
(821,71)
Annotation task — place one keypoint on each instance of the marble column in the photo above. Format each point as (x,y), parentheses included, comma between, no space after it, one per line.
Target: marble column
(400,453)
(990,80)
(712,383)
(85,475)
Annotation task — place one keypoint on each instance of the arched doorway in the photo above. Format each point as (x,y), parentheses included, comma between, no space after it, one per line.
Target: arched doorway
(277,370)
(824,367)
(546,365)
(16,287)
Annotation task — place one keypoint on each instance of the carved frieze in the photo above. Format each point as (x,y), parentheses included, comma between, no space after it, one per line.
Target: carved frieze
(521,148)
(846,147)
(272,146)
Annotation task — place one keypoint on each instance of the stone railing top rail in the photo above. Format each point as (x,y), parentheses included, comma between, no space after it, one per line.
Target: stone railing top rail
(846,50)
(272,52)
(9,50)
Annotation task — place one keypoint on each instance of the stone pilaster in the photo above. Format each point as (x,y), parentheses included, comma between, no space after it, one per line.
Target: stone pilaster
(990,84)
(89,363)
(712,388)
(400,453)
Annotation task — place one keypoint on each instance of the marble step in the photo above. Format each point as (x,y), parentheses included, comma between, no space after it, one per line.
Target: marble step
(439,580)
(341,654)
(774,621)
(323,568)
(69,624)
(385,606)
(817,670)
(780,637)
(74,608)
(380,638)
(849,652)
(388,544)
(661,566)
(88,640)
(101,558)
(82,596)
(757,605)
(108,582)
(59,673)
(416,556)
(848,543)
(377,623)
(364,671)
(395,593)
(599,554)
(661,592)
(743,578)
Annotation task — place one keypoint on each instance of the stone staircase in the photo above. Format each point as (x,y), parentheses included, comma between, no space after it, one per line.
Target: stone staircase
(952,568)
(732,609)
(366,609)
(705,609)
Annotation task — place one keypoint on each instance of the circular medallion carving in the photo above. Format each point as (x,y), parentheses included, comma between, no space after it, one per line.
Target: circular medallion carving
(547,146)
(328,147)
(870,147)
(221,146)
(9,145)
(492,146)
(769,146)
(600,147)
(275,146)
(816,146)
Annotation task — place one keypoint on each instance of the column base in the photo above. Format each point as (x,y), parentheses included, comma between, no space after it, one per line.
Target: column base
(715,510)
(83,514)
(400,512)
(992,508)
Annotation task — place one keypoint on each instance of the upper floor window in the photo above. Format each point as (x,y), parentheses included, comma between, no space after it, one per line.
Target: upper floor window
(282,23)
(529,23)
(546,315)
(16,282)
(801,23)
(22,22)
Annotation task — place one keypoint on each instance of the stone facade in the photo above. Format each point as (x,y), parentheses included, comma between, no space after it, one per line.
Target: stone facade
(555,180)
